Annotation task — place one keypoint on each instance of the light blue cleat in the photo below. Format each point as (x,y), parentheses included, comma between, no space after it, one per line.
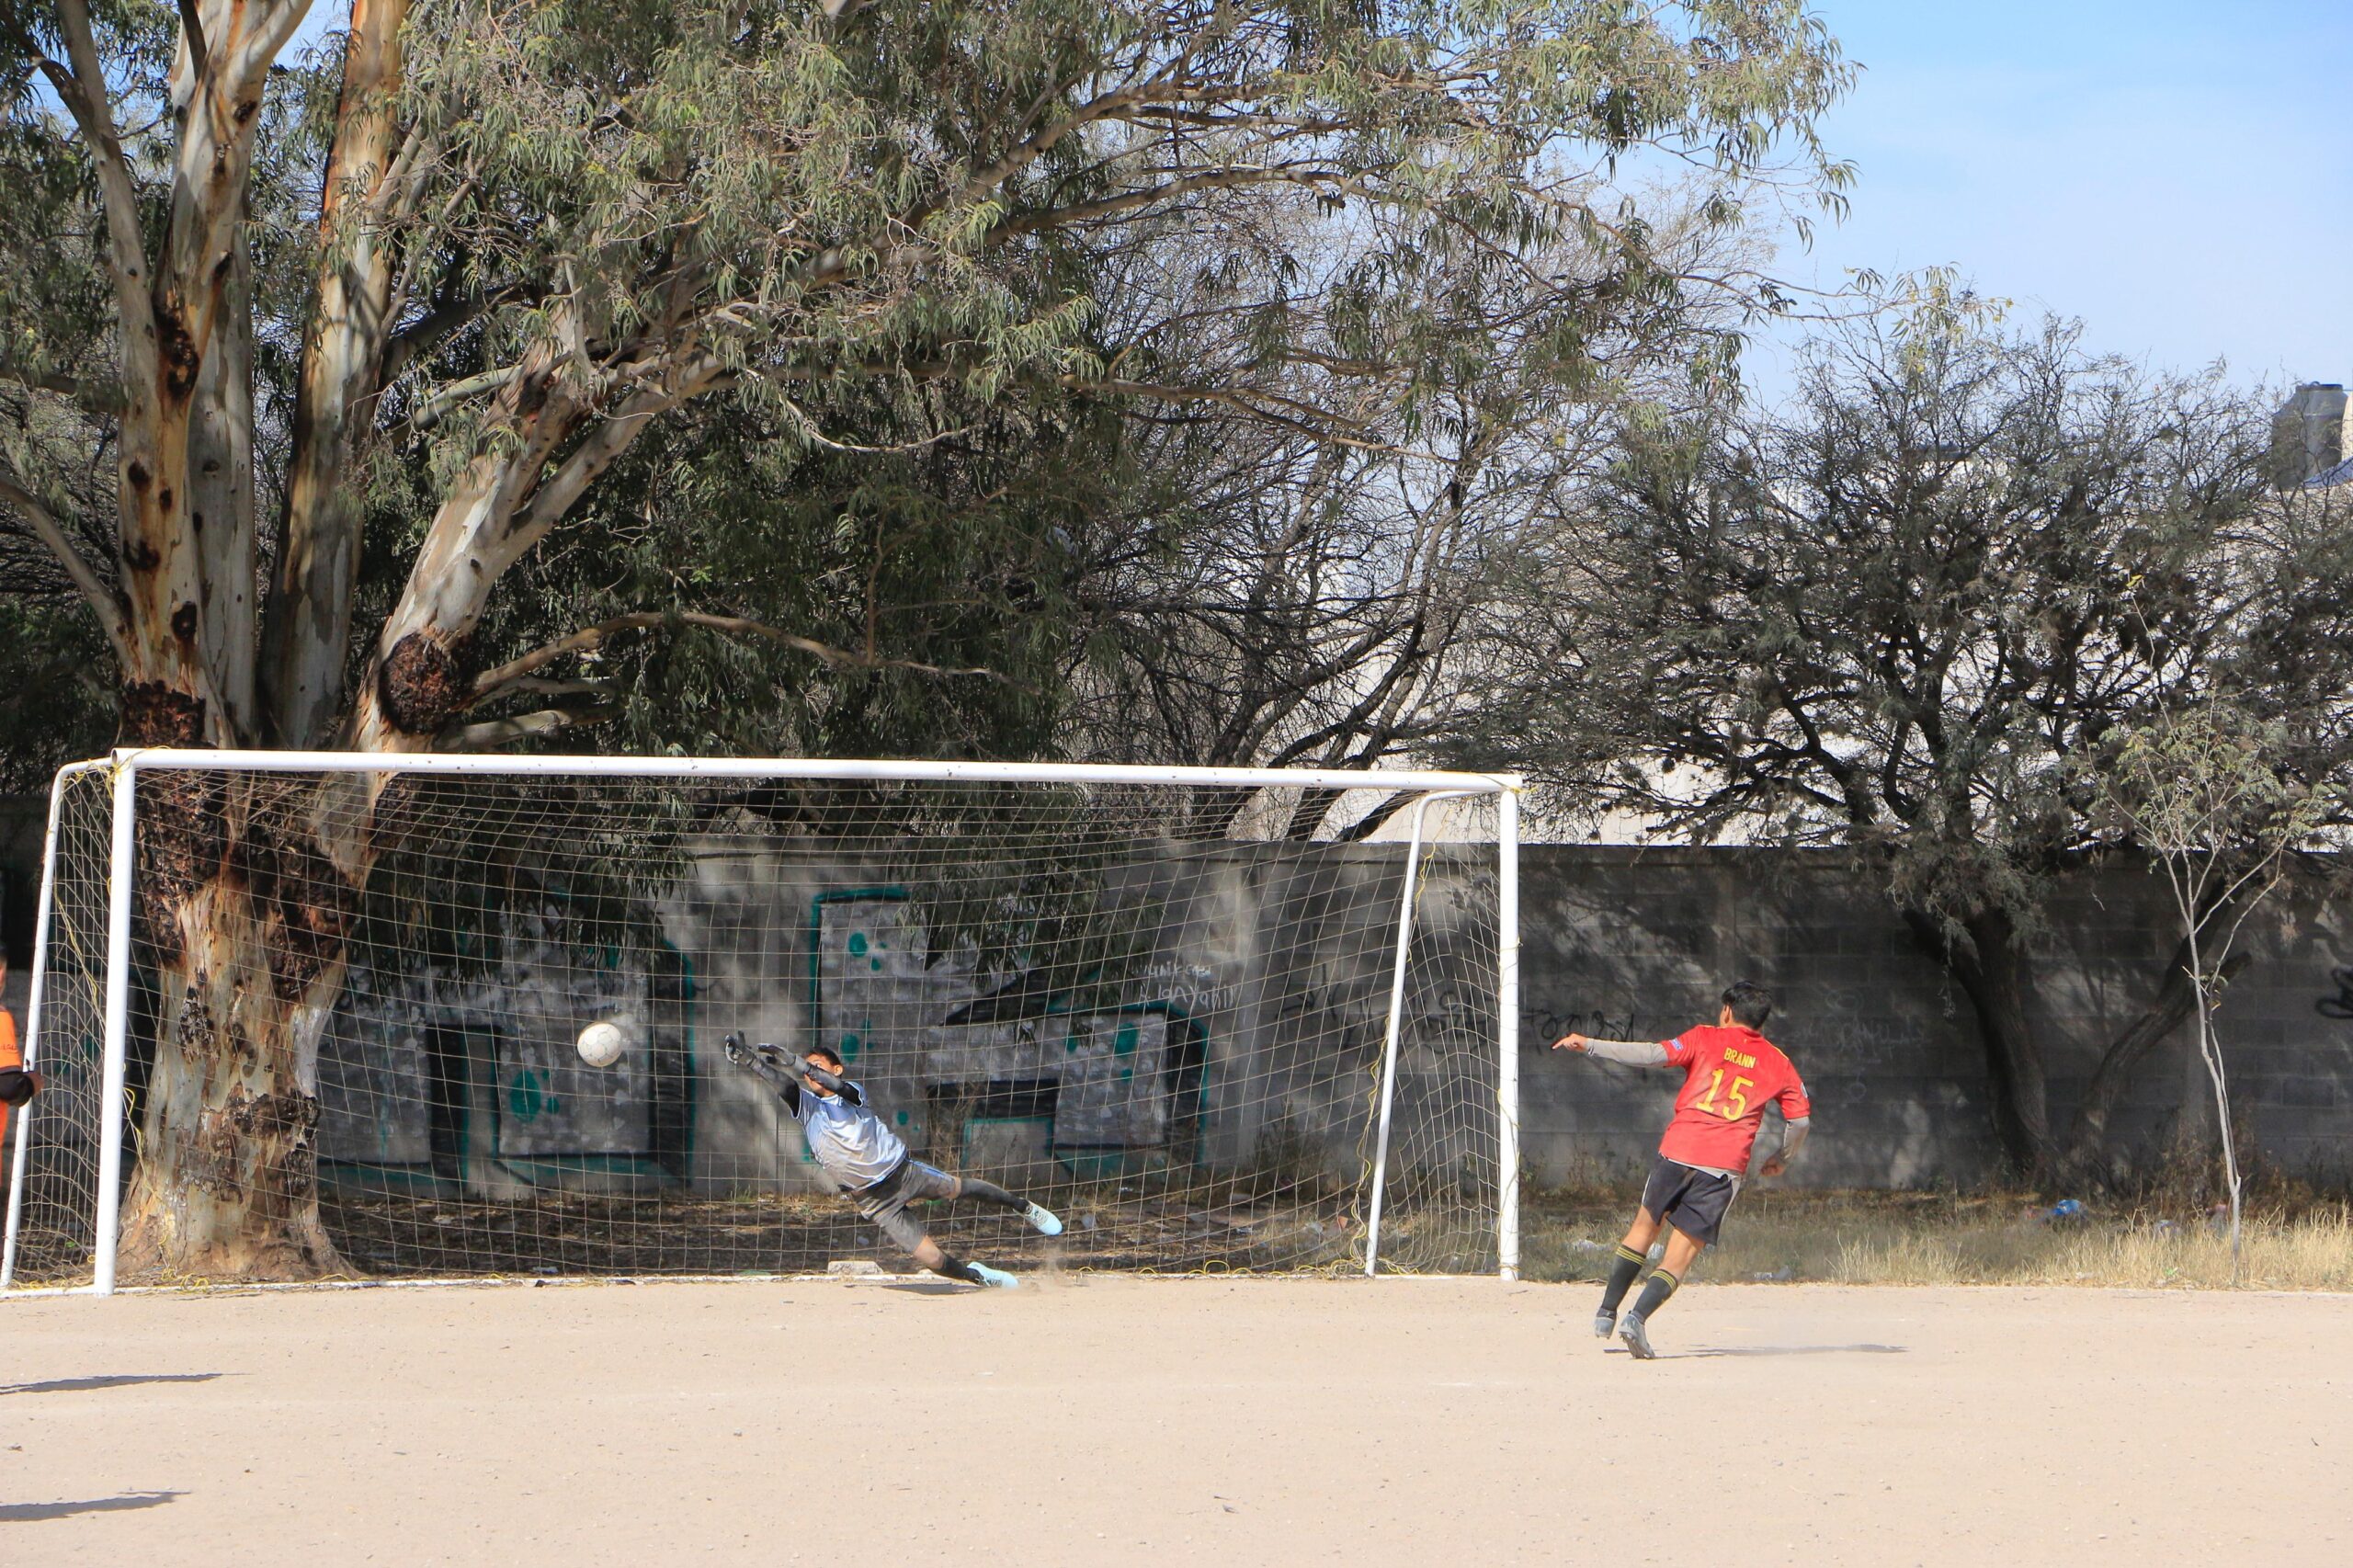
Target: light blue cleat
(996,1278)
(1048,1223)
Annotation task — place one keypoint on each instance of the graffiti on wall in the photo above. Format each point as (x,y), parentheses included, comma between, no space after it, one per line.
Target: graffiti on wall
(984,1060)
(2339,1006)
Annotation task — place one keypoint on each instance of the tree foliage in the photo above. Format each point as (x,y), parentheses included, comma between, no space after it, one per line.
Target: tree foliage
(468,381)
(1901,612)
(504,239)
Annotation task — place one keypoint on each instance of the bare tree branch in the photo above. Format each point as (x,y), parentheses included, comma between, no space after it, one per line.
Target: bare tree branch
(435,409)
(503,732)
(103,601)
(491,683)
(200,58)
(83,90)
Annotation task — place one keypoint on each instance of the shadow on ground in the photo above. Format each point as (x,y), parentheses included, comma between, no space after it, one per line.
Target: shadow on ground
(1798,1350)
(24,1513)
(87,1385)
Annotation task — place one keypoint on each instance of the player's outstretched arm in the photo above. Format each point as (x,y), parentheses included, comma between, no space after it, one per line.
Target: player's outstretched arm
(832,1082)
(1632,1052)
(789,1071)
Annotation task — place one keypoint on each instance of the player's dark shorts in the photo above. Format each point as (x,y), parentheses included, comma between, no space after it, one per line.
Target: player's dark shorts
(885,1203)
(1692,1201)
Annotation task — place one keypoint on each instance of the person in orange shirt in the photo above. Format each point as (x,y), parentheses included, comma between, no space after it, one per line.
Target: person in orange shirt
(16,1085)
(1730,1071)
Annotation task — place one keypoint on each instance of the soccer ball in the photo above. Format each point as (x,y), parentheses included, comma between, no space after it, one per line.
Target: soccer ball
(600,1043)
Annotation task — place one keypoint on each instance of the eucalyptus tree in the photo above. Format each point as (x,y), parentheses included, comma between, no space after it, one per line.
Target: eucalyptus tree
(506,241)
(1901,614)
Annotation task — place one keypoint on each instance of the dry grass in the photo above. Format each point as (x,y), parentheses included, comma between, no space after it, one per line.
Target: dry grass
(1935,1239)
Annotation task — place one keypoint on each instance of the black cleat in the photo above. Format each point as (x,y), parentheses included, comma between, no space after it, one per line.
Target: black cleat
(1605,1322)
(1636,1334)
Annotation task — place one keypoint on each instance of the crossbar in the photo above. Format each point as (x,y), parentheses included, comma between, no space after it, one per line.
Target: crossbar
(143,759)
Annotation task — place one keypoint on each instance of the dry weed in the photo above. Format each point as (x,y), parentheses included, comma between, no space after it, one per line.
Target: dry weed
(1924,1239)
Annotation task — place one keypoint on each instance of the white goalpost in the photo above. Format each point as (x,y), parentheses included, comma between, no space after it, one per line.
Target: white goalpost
(319,1014)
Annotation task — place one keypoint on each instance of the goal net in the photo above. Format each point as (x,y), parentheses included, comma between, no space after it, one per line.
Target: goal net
(1195,1013)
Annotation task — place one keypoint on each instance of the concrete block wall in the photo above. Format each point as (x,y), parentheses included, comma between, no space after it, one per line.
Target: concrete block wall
(1636,943)
(1283,969)
(1287,971)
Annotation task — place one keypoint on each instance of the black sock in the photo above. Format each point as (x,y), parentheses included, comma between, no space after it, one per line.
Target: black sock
(951,1268)
(980,1191)
(1628,1264)
(1660,1286)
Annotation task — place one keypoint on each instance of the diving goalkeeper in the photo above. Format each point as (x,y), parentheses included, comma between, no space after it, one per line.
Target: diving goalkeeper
(1729,1072)
(869,1164)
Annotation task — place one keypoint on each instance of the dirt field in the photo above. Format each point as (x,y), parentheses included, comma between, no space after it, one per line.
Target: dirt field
(1116,1420)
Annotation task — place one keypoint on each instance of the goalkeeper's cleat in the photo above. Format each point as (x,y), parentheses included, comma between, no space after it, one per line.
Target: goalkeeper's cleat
(1636,1334)
(996,1278)
(1605,1322)
(1046,1220)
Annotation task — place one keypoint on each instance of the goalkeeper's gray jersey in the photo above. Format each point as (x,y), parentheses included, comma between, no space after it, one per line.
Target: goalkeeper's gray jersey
(847,1138)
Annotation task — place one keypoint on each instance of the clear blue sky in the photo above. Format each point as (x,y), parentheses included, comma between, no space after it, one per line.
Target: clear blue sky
(2178,175)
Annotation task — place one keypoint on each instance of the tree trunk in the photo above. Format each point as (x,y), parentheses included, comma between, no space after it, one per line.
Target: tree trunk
(220,500)
(243,908)
(311,598)
(1986,960)
(245,886)
(2193,1141)
(2088,1153)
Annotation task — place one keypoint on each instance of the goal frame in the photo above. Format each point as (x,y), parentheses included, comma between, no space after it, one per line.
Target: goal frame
(126,765)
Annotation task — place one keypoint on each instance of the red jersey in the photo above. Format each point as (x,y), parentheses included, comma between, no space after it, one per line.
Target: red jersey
(1728,1075)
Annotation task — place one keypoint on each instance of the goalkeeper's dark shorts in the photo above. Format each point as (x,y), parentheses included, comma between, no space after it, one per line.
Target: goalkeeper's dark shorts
(1693,1201)
(885,1202)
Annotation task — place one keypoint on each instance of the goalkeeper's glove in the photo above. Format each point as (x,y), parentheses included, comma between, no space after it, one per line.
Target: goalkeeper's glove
(748,1055)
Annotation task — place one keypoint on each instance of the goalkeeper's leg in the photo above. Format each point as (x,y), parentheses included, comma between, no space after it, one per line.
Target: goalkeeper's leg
(934,1256)
(1044,1219)
(888,1209)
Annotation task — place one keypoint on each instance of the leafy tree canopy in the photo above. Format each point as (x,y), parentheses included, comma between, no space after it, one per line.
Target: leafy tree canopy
(463,266)
(1905,613)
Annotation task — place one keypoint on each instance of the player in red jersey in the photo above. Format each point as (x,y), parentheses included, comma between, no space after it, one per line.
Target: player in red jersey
(1730,1071)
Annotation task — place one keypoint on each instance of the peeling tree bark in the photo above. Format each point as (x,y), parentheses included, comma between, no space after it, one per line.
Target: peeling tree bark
(501,504)
(310,597)
(246,915)
(220,503)
(243,932)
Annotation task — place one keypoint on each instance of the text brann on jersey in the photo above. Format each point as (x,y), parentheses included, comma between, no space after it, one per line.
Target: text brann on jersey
(1729,1074)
